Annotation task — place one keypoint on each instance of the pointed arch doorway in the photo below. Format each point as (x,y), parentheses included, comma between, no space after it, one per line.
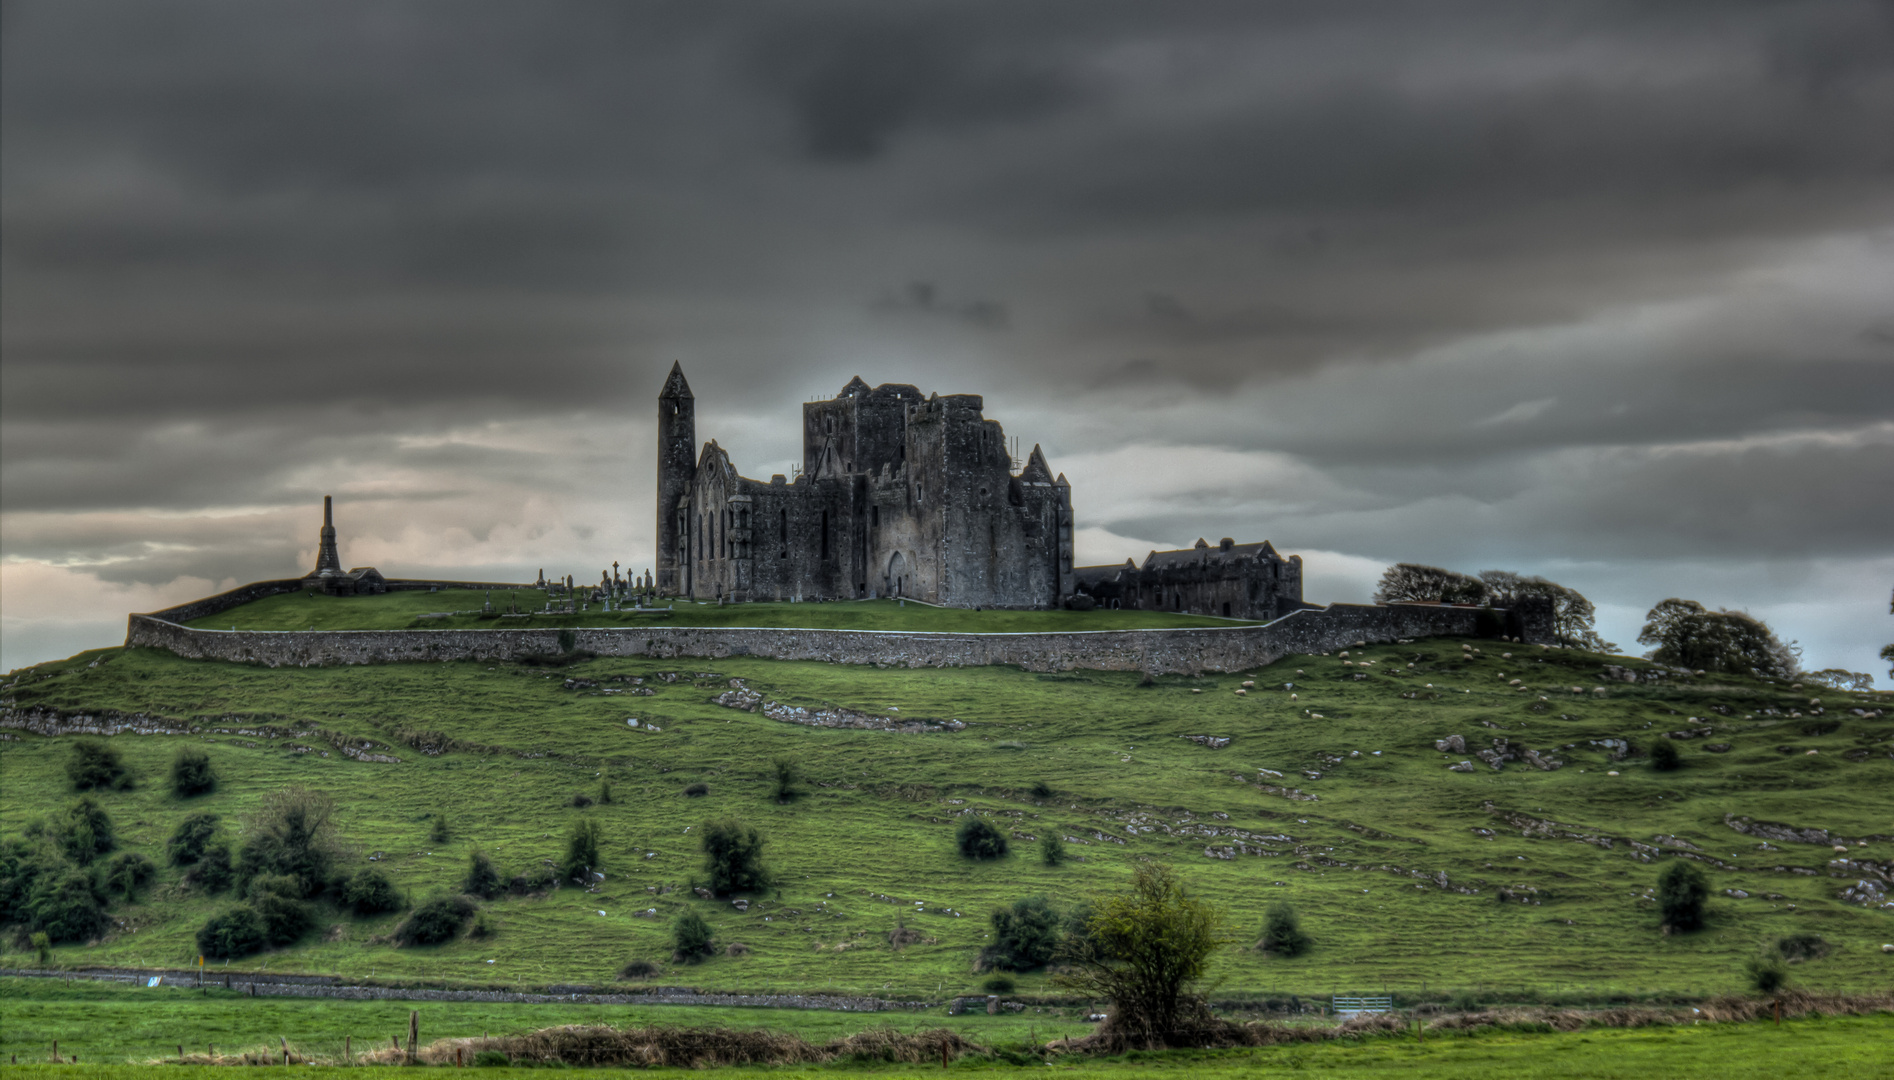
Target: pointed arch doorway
(897,574)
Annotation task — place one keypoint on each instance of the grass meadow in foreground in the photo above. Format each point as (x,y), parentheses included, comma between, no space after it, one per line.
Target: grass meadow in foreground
(1844,1047)
(1334,798)
(460,609)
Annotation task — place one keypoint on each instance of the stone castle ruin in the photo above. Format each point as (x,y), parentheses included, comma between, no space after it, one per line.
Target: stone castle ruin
(328,576)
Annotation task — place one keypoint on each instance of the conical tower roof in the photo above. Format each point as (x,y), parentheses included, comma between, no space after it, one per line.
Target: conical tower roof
(675,386)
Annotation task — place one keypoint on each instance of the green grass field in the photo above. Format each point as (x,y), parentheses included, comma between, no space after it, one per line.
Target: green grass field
(501,749)
(438,611)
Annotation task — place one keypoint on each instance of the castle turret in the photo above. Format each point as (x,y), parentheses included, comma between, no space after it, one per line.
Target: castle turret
(677,465)
(328,562)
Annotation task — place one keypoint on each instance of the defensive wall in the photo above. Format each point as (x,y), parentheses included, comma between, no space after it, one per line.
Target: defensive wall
(257,590)
(1179,651)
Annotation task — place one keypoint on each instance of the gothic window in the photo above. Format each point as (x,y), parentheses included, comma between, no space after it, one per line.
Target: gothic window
(874,517)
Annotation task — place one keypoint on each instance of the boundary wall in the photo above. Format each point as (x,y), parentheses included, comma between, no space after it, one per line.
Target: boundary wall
(1180,651)
(257,590)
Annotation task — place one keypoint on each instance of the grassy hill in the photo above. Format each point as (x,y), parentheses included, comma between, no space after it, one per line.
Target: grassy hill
(452,609)
(502,749)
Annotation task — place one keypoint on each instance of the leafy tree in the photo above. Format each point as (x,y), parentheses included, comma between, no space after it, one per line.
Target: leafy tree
(581,848)
(980,839)
(191,773)
(293,834)
(439,920)
(126,873)
(786,776)
(236,932)
(277,899)
(1681,892)
(1685,633)
(63,901)
(1428,584)
(1282,931)
(1664,756)
(213,871)
(1052,849)
(733,856)
(85,831)
(370,892)
(1840,678)
(93,764)
(1145,950)
(190,838)
(1767,973)
(1025,936)
(1572,614)
(482,879)
(691,937)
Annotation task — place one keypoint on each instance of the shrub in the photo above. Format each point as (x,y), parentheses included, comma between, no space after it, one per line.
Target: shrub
(1080,602)
(697,790)
(42,948)
(1282,931)
(190,838)
(437,833)
(581,800)
(370,892)
(191,773)
(95,765)
(1024,936)
(1799,947)
(236,932)
(785,776)
(491,1059)
(1664,756)
(126,873)
(1041,790)
(581,849)
(604,792)
(538,878)
(85,831)
(639,969)
(482,879)
(277,899)
(568,641)
(63,902)
(292,834)
(691,937)
(1767,973)
(1052,849)
(733,856)
(998,984)
(482,926)
(1681,891)
(440,919)
(980,839)
(212,872)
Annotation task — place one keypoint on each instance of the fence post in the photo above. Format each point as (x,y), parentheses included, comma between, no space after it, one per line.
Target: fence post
(348,1049)
(414,1032)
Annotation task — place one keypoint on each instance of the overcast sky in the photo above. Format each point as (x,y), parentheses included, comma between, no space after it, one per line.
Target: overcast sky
(1600,291)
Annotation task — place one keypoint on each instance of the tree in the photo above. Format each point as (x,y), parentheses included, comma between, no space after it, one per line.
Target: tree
(1025,936)
(1572,614)
(581,849)
(85,831)
(691,937)
(1283,935)
(190,838)
(482,879)
(1687,634)
(277,899)
(370,892)
(1840,678)
(1144,950)
(1767,973)
(439,920)
(980,839)
(126,873)
(733,856)
(191,773)
(786,776)
(1052,849)
(1428,584)
(236,932)
(293,834)
(95,765)
(1681,892)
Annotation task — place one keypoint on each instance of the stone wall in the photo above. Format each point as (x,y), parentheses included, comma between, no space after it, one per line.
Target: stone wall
(257,590)
(1185,651)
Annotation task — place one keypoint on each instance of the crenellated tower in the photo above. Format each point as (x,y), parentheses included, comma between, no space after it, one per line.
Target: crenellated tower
(677,466)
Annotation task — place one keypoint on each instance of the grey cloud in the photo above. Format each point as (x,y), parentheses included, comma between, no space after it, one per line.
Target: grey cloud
(924,298)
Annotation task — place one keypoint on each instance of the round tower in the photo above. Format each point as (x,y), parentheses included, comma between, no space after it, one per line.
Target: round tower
(677,464)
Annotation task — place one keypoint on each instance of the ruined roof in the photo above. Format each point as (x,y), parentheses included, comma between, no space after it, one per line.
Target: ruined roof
(1036,470)
(1204,551)
(855,386)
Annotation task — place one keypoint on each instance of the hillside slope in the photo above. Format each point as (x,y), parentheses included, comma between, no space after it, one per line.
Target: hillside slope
(1396,862)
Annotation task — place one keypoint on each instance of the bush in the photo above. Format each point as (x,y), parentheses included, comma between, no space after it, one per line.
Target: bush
(1664,756)
(697,790)
(1025,936)
(1767,973)
(604,792)
(1282,931)
(96,765)
(482,879)
(437,833)
(999,984)
(691,937)
(1799,947)
(85,831)
(639,969)
(568,641)
(538,878)
(212,872)
(1052,849)
(785,776)
(42,948)
(191,773)
(190,838)
(63,902)
(1041,790)
(581,849)
(436,921)
(292,834)
(482,926)
(126,873)
(733,856)
(277,899)
(491,1059)
(370,892)
(1681,891)
(581,800)
(237,932)
(980,839)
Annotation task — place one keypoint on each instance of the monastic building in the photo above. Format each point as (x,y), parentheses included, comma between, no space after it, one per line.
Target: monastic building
(1232,580)
(328,576)
(900,494)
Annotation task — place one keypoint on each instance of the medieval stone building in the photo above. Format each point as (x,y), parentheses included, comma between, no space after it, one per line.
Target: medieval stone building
(328,576)
(1232,580)
(900,494)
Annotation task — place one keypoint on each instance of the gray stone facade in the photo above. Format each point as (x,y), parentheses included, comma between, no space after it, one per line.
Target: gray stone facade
(900,494)
(1231,580)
